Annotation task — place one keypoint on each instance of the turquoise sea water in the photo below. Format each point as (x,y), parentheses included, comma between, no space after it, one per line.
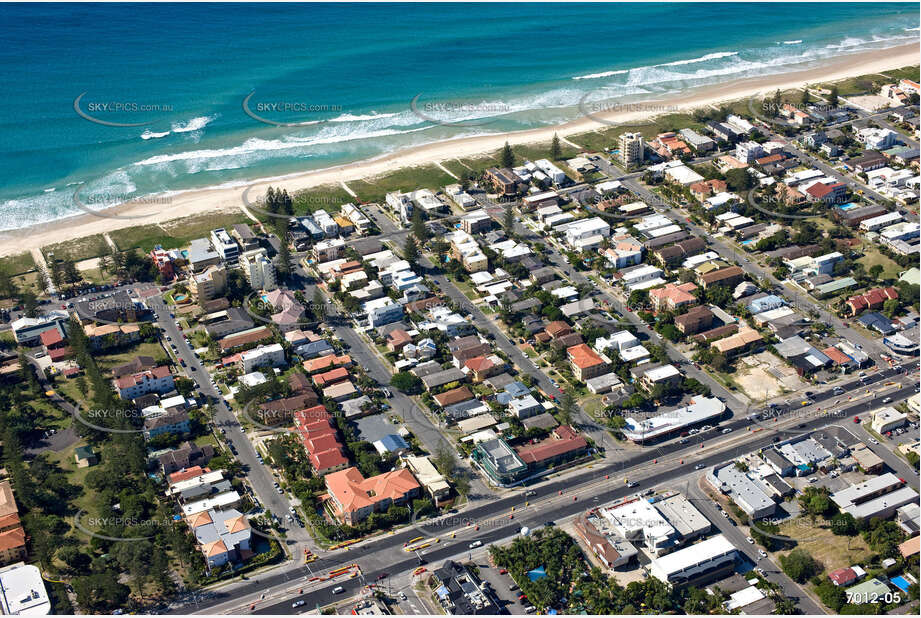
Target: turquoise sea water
(347,76)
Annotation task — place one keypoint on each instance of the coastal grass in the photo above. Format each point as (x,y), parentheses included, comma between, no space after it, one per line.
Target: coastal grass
(78,249)
(174,234)
(326,197)
(407,179)
(596,141)
(864,84)
(17,264)
(541,150)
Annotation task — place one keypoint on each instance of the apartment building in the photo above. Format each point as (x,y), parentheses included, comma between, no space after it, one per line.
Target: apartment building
(210,284)
(225,246)
(632,148)
(354,497)
(258,270)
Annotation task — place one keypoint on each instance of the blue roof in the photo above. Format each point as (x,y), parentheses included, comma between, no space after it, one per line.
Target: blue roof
(517,388)
(878,321)
(393,442)
(766,303)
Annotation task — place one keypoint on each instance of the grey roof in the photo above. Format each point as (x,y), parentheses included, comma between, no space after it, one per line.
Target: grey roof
(544,420)
(578,307)
(744,491)
(773,456)
(444,377)
(503,457)
(200,250)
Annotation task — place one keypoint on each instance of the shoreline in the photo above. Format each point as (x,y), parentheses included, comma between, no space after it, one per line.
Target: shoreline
(229,198)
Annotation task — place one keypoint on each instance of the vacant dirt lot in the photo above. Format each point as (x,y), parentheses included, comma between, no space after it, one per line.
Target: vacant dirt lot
(764,376)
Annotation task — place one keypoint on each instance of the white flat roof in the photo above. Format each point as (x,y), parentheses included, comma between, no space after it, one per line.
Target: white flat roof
(701,409)
(686,558)
(22,591)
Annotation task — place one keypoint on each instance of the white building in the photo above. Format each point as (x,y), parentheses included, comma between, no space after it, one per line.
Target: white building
(358,218)
(225,245)
(632,147)
(326,223)
(555,174)
(683,175)
(747,152)
(258,270)
(887,419)
(22,591)
(427,201)
(263,356)
(695,562)
(875,223)
(383,311)
(699,411)
(640,277)
(639,521)
(586,228)
(877,139)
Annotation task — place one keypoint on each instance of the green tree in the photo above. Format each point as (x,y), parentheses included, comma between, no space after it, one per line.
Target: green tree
(739,179)
(420,230)
(410,250)
(799,565)
(318,308)
(406,382)
(507,157)
(833,97)
(556,150)
(804,98)
(508,218)
(100,592)
(567,408)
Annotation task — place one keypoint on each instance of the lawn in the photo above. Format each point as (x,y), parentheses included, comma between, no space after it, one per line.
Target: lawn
(832,551)
(78,249)
(872,256)
(406,179)
(17,264)
(144,348)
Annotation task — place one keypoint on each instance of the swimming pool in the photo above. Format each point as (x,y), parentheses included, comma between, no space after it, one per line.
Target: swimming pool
(901,582)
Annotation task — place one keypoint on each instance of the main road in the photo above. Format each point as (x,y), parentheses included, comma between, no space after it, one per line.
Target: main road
(603,483)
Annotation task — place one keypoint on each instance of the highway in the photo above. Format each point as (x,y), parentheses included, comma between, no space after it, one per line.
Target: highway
(600,484)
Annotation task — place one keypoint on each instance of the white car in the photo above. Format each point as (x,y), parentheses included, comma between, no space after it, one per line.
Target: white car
(476,544)
(762,553)
(750,540)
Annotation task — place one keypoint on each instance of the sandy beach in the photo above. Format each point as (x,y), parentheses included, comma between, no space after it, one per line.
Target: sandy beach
(229,199)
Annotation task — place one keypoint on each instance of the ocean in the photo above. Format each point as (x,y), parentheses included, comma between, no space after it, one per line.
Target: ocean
(123,101)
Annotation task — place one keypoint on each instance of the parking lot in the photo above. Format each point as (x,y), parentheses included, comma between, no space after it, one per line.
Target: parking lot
(506,599)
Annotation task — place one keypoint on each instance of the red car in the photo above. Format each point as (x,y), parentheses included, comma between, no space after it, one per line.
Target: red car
(856,419)
(503,571)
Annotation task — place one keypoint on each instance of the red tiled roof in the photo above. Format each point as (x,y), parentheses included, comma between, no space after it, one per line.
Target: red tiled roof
(479,363)
(308,416)
(326,460)
(563,440)
(51,337)
(583,356)
(837,356)
(455,395)
(331,377)
(843,576)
